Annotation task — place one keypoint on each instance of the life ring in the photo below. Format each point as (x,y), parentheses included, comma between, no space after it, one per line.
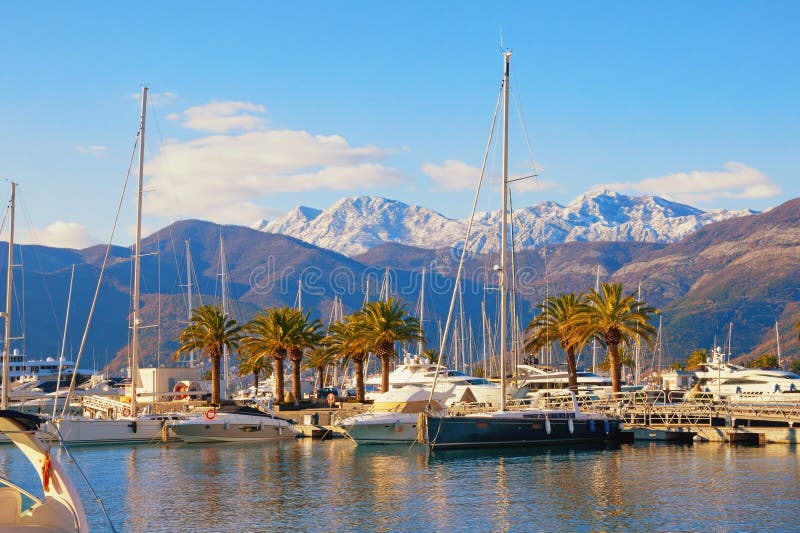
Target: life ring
(211,414)
(126,412)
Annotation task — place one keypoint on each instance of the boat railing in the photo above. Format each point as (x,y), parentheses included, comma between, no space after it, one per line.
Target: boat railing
(469,408)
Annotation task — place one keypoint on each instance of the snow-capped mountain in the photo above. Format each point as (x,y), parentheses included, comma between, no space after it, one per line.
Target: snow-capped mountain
(354,225)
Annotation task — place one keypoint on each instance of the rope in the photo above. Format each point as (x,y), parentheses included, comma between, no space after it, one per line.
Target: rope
(71,459)
(460,270)
(100,277)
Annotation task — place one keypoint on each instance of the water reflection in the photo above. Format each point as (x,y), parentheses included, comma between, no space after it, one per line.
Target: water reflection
(334,486)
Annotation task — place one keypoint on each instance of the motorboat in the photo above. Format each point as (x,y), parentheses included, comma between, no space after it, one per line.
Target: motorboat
(246,421)
(536,377)
(725,380)
(394,415)
(419,371)
(60,508)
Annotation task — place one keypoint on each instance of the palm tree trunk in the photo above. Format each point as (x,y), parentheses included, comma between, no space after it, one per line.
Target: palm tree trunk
(385,353)
(279,376)
(255,382)
(320,377)
(572,371)
(613,358)
(359,370)
(215,378)
(296,378)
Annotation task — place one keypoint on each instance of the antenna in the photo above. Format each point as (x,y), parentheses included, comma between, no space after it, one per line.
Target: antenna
(501,39)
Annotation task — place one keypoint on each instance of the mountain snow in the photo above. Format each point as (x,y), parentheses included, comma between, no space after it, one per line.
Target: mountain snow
(354,225)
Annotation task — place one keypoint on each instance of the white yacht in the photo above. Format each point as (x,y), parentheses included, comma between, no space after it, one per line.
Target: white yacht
(727,380)
(536,377)
(394,416)
(22,367)
(421,372)
(248,421)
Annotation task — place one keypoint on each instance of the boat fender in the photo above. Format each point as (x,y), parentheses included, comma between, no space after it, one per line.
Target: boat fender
(571,426)
(133,426)
(211,414)
(591,426)
(606,427)
(225,425)
(46,472)
(547,426)
(126,412)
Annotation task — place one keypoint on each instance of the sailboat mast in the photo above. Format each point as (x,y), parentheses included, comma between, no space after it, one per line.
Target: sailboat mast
(421,312)
(778,343)
(137,260)
(189,293)
(503,234)
(594,341)
(225,354)
(7,314)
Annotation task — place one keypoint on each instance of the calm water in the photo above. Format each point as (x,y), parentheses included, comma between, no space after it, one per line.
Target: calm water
(307,485)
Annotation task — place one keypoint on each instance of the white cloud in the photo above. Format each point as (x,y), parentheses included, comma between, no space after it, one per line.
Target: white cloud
(96,150)
(222,117)
(59,234)
(456,175)
(222,177)
(737,181)
(452,175)
(155,99)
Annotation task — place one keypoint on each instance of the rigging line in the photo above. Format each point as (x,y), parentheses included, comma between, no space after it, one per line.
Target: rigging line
(158,283)
(521,118)
(175,197)
(100,276)
(461,261)
(26,214)
(177,266)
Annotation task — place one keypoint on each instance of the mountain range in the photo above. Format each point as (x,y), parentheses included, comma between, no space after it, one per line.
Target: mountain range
(740,271)
(354,225)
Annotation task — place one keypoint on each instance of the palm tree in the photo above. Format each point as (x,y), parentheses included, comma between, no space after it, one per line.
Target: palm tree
(554,324)
(381,324)
(320,358)
(696,358)
(256,365)
(348,346)
(304,333)
(614,319)
(269,334)
(210,332)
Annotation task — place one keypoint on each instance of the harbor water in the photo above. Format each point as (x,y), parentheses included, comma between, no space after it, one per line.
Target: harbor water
(307,485)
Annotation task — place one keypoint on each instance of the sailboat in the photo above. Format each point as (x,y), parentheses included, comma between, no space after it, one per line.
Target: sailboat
(528,425)
(124,423)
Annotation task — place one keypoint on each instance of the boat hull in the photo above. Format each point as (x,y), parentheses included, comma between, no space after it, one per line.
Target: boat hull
(515,429)
(384,428)
(108,431)
(233,428)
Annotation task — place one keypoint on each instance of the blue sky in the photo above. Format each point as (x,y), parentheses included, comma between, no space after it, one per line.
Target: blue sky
(261,106)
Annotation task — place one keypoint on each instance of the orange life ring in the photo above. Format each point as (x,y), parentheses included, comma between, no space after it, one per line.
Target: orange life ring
(126,412)
(211,414)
